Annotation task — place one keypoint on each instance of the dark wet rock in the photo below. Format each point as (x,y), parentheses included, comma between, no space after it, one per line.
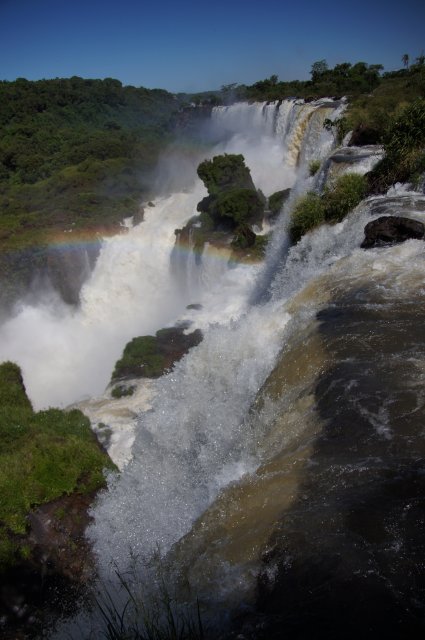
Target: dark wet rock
(388,230)
(67,269)
(56,572)
(196,306)
(276,201)
(346,559)
(138,216)
(363,135)
(152,356)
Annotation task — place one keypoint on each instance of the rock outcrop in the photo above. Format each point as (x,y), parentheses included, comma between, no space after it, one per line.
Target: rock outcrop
(152,356)
(388,230)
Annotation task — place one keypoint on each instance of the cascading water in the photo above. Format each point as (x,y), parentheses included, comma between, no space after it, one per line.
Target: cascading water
(197,438)
(132,290)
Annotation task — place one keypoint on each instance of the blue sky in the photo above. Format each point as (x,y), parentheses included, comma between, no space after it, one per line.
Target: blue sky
(189,45)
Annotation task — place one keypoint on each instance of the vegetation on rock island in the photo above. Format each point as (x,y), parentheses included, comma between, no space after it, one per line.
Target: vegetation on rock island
(152,356)
(232,198)
(225,172)
(276,201)
(232,206)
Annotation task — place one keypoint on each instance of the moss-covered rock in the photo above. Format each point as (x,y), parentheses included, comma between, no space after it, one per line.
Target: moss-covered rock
(43,456)
(276,201)
(122,391)
(152,356)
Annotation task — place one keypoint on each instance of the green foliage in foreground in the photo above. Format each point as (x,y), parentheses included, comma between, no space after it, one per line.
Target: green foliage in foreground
(153,614)
(43,456)
(332,206)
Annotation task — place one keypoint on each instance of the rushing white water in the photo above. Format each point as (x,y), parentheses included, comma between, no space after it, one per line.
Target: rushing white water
(197,438)
(68,354)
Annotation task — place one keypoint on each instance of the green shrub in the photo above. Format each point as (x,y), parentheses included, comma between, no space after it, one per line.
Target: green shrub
(404,143)
(332,206)
(314,167)
(224,172)
(308,213)
(239,206)
(406,131)
(346,194)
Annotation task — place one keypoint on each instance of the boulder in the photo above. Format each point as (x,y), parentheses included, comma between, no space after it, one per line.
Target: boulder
(388,230)
(152,356)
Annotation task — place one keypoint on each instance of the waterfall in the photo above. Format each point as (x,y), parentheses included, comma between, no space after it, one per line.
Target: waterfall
(132,289)
(199,437)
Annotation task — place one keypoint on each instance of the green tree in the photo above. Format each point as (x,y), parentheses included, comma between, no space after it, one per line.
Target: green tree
(318,70)
(225,172)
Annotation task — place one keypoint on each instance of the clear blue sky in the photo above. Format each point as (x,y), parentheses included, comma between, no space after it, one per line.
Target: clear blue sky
(189,45)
